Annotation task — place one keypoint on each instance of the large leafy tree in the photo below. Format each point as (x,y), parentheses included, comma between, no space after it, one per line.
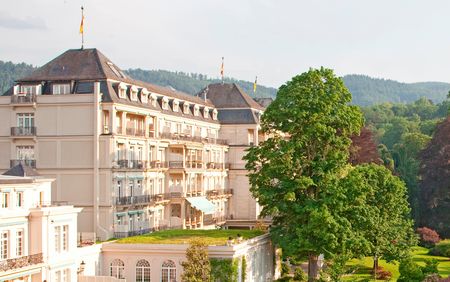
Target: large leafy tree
(291,173)
(385,217)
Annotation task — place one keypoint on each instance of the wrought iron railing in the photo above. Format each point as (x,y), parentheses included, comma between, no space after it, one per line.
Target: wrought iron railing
(23,99)
(23,131)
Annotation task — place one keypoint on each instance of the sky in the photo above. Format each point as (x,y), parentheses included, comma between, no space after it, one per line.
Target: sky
(404,40)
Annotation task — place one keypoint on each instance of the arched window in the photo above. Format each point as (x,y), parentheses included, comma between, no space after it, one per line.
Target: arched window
(169,271)
(142,271)
(117,269)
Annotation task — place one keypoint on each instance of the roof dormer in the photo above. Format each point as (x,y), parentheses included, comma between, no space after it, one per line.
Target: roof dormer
(144,95)
(122,88)
(175,105)
(133,93)
(205,112)
(196,110)
(214,114)
(165,103)
(186,107)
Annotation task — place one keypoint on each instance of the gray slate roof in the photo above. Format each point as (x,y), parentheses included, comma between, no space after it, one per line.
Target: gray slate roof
(237,116)
(228,95)
(21,170)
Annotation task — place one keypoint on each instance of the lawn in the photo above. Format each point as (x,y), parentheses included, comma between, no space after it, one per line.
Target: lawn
(363,267)
(211,237)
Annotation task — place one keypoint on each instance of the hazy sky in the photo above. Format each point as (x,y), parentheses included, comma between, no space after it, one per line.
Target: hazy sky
(405,40)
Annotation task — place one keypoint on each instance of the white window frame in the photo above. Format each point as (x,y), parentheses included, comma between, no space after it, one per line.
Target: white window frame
(20,242)
(117,269)
(168,272)
(61,88)
(19,199)
(6,200)
(4,244)
(65,237)
(57,238)
(143,271)
(25,120)
(25,152)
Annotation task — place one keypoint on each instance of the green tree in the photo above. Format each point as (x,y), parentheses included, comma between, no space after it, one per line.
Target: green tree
(197,267)
(290,175)
(385,217)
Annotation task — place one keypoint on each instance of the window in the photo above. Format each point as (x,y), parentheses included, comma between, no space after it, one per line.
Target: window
(115,70)
(4,241)
(57,230)
(214,114)
(176,105)
(25,120)
(186,108)
(196,110)
(133,93)
(206,112)
(65,238)
(61,89)
(169,271)
(57,277)
(144,96)
(19,243)
(142,271)
(27,89)
(251,137)
(165,103)
(122,88)
(65,275)
(119,188)
(19,199)
(154,99)
(117,268)
(25,152)
(5,200)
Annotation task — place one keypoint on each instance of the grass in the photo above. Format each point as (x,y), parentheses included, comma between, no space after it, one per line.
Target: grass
(363,266)
(211,237)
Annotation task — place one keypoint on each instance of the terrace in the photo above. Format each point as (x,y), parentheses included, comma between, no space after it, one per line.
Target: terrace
(211,237)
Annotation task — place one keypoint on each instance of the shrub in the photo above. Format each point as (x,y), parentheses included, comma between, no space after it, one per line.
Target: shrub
(284,269)
(441,249)
(383,274)
(428,237)
(300,275)
(431,267)
(410,271)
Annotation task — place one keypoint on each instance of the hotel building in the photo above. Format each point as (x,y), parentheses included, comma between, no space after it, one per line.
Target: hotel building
(135,156)
(37,236)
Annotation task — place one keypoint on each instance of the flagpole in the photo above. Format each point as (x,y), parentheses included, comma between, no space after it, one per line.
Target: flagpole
(222,70)
(82,33)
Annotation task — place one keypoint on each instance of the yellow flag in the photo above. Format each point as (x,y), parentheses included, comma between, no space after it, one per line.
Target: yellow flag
(81,25)
(254,85)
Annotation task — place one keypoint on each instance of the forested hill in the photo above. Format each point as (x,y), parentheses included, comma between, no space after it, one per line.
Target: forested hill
(369,91)
(365,90)
(192,83)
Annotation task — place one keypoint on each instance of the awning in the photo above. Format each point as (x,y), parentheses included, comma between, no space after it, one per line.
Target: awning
(202,204)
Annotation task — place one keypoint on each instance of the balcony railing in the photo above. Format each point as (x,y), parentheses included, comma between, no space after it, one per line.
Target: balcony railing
(31,163)
(157,164)
(20,262)
(219,192)
(23,131)
(131,164)
(146,199)
(144,231)
(188,137)
(119,130)
(213,165)
(135,131)
(175,164)
(23,99)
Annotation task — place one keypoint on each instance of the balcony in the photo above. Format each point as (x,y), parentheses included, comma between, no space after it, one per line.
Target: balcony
(157,164)
(176,164)
(187,164)
(15,263)
(219,192)
(145,199)
(130,164)
(30,163)
(23,131)
(213,165)
(188,137)
(135,131)
(23,98)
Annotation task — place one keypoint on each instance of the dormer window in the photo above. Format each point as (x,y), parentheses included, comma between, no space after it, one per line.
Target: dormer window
(176,105)
(122,91)
(144,95)
(59,89)
(165,103)
(133,93)
(153,99)
(186,108)
(214,114)
(196,110)
(206,112)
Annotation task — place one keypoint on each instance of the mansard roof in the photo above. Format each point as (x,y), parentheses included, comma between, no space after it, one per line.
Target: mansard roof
(91,64)
(228,95)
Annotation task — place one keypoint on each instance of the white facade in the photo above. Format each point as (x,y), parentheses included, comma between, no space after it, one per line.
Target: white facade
(38,238)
